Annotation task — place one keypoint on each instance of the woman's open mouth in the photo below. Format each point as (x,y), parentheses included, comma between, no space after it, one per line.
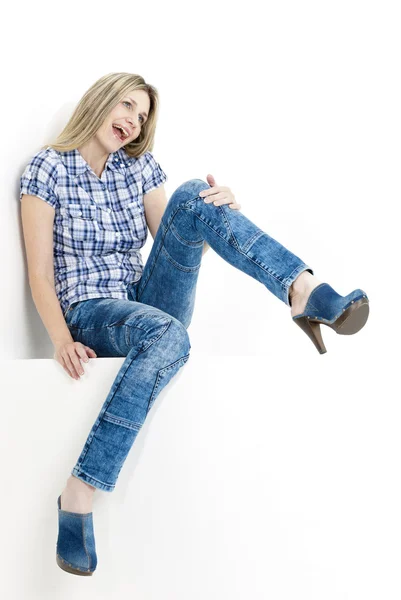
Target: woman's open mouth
(120,133)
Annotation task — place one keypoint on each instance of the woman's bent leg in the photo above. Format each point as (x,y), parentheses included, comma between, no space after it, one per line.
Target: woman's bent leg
(170,275)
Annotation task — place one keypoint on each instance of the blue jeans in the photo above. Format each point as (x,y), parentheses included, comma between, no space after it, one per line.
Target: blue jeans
(150,328)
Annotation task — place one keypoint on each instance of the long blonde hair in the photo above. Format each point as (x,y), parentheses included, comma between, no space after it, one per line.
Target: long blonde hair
(96,104)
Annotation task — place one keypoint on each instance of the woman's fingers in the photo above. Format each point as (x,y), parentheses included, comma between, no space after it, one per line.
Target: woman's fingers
(213,197)
(91,353)
(72,360)
(71,355)
(71,372)
(229,201)
(68,366)
(84,353)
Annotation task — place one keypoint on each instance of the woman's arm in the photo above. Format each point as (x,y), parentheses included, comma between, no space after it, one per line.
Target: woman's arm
(155,203)
(37,221)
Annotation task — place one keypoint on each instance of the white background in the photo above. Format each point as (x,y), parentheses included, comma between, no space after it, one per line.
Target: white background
(296,107)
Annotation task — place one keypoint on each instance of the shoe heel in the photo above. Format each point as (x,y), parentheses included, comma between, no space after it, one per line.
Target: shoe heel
(312,330)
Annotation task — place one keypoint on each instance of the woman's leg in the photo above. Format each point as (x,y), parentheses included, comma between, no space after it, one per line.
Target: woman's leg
(168,284)
(170,275)
(156,346)
(169,279)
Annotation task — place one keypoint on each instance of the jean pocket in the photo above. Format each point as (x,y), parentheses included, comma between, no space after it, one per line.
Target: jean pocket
(70,313)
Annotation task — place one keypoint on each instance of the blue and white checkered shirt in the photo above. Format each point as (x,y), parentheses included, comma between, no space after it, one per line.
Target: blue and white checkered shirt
(99,223)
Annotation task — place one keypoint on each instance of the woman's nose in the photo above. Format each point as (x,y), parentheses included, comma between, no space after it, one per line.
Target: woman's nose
(133,121)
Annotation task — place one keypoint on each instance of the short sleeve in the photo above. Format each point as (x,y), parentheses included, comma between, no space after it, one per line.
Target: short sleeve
(152,173)
(40,178)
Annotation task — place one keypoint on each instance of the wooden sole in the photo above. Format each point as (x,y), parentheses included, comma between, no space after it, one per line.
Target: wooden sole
(69,568)
(353,318)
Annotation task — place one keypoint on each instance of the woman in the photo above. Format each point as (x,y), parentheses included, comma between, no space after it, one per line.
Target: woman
(87,201)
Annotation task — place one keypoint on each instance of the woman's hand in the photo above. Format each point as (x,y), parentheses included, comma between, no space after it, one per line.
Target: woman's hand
(219,194)
(70,354)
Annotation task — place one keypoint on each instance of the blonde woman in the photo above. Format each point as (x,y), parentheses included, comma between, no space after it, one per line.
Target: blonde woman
(88,200)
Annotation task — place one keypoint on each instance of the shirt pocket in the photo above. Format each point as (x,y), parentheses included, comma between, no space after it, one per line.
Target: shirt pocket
(136,223)
(80,221)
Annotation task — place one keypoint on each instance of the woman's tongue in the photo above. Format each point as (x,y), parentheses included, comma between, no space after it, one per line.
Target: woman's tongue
(118,132)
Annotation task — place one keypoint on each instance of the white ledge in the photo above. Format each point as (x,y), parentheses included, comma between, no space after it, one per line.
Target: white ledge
(244,480)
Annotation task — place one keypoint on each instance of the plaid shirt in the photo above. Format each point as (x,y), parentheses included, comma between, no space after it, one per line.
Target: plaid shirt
(99,224)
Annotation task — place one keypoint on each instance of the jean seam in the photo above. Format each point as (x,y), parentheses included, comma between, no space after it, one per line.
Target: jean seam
(181,206)
(182,360)
(81,471)
(226,222)
(266,270)
(127,335)
(252,240)
(185,242)
(178,266)
(228,225)
(105,407)
(117,323)
(110,418)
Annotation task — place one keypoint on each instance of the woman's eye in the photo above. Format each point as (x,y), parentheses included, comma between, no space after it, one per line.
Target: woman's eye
(129,104)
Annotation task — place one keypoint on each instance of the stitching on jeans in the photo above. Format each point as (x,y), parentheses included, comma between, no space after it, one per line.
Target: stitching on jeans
(182,360)
(165,230)
(128,335)
(267,270)
(81,471)
(252,240)
(120,322)
(212,228)
(178,266)
(105,406)
(226,222)
(112,337)
(174,231)
(146,313)
(154,339)
(75,515)
(110,418)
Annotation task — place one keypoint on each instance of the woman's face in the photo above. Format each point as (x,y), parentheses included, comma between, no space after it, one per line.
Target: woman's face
(130,114)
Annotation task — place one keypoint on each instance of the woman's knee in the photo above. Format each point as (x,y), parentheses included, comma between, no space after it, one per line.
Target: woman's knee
(189,190)
(178,336)
(163,329)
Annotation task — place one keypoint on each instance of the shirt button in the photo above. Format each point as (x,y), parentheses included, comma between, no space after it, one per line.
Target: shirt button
(108,210)
(118,234)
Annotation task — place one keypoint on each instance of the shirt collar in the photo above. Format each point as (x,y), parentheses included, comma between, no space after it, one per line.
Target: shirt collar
(76,165)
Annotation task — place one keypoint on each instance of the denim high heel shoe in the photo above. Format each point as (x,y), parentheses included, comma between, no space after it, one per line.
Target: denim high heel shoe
(76,552)
(345,314)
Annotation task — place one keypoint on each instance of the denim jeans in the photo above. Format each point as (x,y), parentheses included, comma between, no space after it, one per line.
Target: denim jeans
(150,328)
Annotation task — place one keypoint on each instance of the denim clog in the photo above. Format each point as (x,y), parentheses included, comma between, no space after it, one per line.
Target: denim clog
(76,551)
(345,314)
